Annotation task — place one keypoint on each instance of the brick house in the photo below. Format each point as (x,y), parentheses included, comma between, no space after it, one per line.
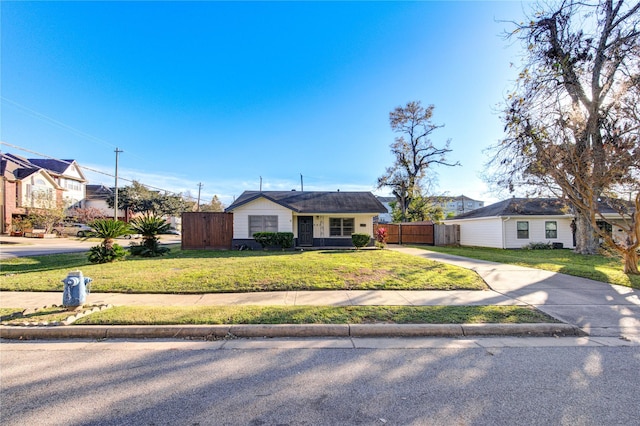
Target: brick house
(24,186)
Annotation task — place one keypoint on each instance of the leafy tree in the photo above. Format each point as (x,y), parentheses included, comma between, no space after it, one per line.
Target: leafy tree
(47,213)
(571,123)
(420,208)
(86,214)
(108,250)
(149,226)
(137,198)
(414,153)
(214,206)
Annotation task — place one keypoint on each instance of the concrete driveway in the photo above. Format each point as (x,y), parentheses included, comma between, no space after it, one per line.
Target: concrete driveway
(598,308)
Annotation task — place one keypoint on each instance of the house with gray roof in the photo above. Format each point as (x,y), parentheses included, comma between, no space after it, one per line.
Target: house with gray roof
(517,222)
(67,175)
(316,218)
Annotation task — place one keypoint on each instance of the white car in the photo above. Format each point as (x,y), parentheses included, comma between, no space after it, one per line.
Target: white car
(75,229)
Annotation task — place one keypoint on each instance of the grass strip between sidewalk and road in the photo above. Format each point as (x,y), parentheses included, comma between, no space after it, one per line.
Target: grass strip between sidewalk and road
(208,271)
(213,315)
(604,268)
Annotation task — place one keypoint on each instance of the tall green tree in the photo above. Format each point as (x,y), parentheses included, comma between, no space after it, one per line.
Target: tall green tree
(214,206)
(571,122)
(414,153)
(137,198)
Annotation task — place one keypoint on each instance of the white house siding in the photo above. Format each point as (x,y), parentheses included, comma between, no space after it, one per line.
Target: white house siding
(480,232)
(34,185)
(260,207)
(74,186)
(537,231)
(363,224)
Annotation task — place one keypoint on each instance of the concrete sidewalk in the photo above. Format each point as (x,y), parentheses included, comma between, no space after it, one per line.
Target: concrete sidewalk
(599,309)
(585,306)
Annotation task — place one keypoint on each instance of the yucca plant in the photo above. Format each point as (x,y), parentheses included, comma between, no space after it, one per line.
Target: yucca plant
(149,226)
(108,230)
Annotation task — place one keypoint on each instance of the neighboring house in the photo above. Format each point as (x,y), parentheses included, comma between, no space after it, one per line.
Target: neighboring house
(450,205)
(386,217)
(68,176)
(24,186)
(96,198)
(316,219)
(457,205)
(517,222)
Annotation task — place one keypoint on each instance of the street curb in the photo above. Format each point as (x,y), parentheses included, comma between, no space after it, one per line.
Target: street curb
(286,330)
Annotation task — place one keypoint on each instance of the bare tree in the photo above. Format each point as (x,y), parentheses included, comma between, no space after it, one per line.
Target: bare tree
(571,123)
(413,151)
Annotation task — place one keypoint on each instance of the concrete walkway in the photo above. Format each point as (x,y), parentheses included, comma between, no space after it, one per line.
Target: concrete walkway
(585,306)
(599,309)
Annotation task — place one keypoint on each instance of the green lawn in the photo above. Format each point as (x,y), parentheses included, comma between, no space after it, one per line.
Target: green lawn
(205,271)
(153,315)
(599,267)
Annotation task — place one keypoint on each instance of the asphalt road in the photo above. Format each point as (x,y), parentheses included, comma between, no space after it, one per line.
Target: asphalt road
(11,247)
(318,382)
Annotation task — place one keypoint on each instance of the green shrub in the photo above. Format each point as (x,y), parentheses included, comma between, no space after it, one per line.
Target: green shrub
(283,240)
(150,247)
(265,239)
(149,226)
(360,240)
(539,246)
(106,254)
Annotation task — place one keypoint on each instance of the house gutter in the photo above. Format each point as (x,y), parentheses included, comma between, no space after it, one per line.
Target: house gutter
(504,242)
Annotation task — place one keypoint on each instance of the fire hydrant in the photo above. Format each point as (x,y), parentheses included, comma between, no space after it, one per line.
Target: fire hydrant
(75,289)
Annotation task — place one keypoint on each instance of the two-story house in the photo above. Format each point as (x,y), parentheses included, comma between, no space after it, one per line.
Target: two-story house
(68,176)
(24,186)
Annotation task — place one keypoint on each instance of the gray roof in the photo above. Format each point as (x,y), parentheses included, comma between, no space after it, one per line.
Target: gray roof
(520,207)
(56,166)
(526,207)
(316,201)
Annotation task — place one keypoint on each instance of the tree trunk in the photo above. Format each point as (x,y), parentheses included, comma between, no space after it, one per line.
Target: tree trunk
(586,237)
(631,262)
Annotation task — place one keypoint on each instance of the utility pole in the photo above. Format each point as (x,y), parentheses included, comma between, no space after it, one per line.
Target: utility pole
(115,198)
(301,183)
(260,183)
(200,185)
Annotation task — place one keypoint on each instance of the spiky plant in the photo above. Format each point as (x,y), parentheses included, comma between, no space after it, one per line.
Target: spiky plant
(149,226)
(108,230)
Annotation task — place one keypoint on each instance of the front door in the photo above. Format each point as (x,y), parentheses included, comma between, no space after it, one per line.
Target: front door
(305,230)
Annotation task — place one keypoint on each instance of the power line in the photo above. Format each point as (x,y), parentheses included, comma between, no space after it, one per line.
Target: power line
(44,117)
(39,154)
(50,120)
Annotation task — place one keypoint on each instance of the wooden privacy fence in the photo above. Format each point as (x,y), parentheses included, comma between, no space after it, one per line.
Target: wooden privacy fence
(207,231)
(421,233)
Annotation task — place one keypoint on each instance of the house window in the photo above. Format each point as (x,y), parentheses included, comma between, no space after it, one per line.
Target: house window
(341,227)
(523,230)
(551,229)
(262,224)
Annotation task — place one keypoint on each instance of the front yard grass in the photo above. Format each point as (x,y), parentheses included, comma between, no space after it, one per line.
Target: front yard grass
(597,267)
(152,315)
(205,271)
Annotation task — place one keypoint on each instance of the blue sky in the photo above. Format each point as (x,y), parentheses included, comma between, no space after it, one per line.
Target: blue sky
(224,93)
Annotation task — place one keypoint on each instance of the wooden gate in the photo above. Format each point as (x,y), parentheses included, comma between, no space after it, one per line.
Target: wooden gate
(202,230)
(408,233)
(421,233)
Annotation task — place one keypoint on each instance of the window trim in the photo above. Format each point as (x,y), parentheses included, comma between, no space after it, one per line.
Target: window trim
(520,233)
(263,224)
(554,230)
(342,227)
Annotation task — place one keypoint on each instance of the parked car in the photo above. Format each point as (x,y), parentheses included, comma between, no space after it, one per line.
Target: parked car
(75,229)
